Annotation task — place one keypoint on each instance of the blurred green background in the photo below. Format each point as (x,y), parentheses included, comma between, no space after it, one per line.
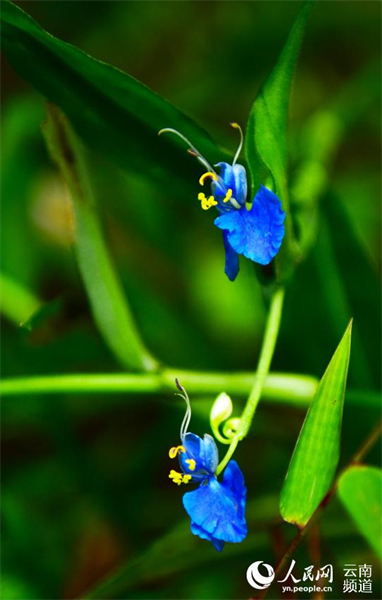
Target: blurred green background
(85,478)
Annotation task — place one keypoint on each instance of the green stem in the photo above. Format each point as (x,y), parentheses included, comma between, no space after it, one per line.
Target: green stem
(266,354)
(269,342)
(286,388)
(292,389)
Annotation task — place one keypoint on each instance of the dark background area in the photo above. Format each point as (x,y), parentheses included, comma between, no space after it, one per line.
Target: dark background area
(85,478)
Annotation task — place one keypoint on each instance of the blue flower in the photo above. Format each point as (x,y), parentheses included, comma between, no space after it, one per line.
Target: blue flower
(216,509)
(256,232)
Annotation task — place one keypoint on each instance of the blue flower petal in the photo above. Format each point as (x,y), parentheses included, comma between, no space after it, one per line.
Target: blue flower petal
(231,259)
(194,451)
(217,509)
(234,178)
(217,544)
(193,445)
(199,531)
(203,451)
(256,233)
(240,184)
(233,479)
(211,455)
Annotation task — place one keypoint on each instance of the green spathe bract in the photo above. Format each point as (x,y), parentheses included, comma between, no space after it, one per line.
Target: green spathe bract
(315,458)
(359,489)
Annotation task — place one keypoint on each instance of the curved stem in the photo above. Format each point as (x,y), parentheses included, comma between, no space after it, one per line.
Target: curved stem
(269,342)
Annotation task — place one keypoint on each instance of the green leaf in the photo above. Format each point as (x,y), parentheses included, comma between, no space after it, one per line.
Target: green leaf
(108,303)
(113,112)
(266,139)
(315,457)
(359,489)
(17,303)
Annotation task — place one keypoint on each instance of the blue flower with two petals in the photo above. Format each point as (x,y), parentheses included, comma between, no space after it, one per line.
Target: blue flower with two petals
(216,509)
(256,232)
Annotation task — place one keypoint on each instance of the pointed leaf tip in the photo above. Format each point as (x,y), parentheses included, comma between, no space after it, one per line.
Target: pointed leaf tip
(315,457)
(266,136)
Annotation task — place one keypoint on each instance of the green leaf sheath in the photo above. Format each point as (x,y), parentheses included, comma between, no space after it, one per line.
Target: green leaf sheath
(113,112)
(108,303)
(359,489)
(266,139)
(315,457)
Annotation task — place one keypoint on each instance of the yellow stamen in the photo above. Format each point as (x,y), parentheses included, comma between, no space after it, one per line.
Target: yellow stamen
(208,174)
(174,451)
(179,478)
(176,477)
(206,202)
(191,464)
(228,196)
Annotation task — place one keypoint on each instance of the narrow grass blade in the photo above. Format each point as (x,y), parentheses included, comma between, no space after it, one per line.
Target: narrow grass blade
(359,489)
(315,458)
(266,139)
(108,303)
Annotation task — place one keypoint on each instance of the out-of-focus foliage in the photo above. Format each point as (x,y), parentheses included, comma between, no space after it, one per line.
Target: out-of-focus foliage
(109,306)
(85,485)
(359,488)
(102,102)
